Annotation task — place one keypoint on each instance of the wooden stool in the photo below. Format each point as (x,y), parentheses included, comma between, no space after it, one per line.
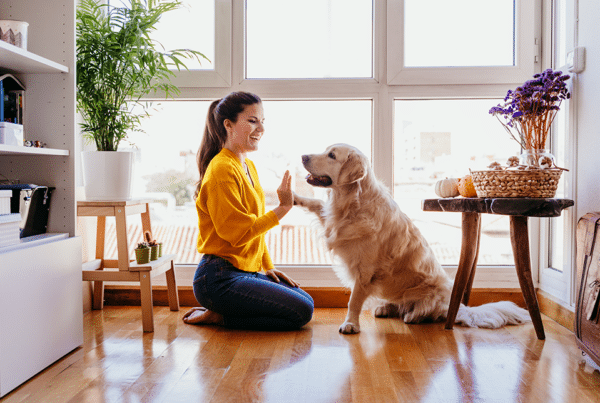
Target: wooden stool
(519,209)
(121,269)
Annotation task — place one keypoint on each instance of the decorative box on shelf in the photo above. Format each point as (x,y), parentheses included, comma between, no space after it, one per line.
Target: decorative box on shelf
(9,229)
(11,134)
(5,196)
(14,32)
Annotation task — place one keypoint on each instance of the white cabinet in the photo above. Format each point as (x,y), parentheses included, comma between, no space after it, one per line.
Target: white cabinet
(41,316)
(40,282)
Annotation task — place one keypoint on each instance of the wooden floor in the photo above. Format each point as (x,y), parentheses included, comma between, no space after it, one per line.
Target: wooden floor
(387,362)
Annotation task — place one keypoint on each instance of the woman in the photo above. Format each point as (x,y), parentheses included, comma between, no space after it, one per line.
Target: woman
(232,223)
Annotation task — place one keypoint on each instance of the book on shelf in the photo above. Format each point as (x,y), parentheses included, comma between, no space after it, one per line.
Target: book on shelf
(1,100)
(13,107)
(12,99)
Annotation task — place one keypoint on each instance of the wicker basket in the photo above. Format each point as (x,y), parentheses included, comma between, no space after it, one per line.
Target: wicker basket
(540,183)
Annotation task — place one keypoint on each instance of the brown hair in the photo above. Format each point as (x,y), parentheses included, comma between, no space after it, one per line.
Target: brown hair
(215,134)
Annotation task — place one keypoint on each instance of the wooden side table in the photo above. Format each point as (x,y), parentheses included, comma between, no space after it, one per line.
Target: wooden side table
(122,269)
(519,209)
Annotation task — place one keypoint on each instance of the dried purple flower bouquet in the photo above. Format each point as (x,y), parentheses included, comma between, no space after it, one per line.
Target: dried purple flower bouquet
(530,109)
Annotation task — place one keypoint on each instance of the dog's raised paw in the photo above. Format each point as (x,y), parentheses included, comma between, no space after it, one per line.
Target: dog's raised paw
(349,328)
(297,199)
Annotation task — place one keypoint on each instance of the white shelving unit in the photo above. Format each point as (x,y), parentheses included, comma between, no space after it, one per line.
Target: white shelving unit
(19,150)
(41,316)
(17,60)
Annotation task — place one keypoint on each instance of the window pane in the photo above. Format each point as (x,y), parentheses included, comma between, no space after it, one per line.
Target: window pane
(309,39)
(191,26)
(557,224)
(444,139)
(442,33)
(166,171)
(560,32)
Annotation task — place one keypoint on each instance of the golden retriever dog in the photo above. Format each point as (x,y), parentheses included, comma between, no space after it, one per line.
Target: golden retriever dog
(383,253)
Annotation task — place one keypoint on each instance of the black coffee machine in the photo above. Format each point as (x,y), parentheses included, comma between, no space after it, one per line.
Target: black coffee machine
(33,203)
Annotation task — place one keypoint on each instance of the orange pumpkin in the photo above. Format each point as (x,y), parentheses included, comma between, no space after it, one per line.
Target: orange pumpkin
(466,187)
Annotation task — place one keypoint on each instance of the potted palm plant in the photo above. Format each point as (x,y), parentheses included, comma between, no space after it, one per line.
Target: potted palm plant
(119,63)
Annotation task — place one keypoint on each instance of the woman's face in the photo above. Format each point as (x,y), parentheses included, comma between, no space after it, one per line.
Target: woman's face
(244,135)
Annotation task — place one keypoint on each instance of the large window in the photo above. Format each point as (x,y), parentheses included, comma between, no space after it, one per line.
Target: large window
(408,82)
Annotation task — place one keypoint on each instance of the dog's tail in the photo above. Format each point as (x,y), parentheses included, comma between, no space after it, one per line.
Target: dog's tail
(492,315)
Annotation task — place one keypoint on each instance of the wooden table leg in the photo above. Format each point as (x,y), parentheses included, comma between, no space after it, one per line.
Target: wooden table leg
(172,288)
(469,249)
(98,298)
(147,303)
(519,238)
(467,293)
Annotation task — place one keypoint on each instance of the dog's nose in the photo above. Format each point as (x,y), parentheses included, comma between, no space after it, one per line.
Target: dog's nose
(305,159)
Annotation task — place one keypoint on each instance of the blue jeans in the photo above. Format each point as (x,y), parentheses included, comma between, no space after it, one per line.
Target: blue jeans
(250,300)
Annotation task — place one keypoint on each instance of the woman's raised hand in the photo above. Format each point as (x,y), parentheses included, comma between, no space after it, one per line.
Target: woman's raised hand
(286,196)
(284,192)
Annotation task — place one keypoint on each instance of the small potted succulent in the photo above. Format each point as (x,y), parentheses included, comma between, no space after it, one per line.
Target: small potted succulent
(155,246)
(142,253)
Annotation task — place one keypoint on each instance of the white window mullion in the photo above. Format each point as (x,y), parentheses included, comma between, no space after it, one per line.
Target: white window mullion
(238,48)
(383,138)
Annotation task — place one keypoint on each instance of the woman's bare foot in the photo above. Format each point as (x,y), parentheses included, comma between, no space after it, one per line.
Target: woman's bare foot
(202,316)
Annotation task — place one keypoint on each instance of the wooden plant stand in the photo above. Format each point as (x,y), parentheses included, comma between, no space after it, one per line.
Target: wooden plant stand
(122,269)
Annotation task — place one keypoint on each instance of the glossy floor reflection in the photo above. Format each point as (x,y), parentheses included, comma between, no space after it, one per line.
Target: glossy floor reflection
(387,362)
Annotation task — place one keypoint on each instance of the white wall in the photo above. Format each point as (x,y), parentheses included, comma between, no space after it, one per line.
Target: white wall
(586,90)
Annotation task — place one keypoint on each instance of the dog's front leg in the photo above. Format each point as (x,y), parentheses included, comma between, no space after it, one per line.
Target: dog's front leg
(357,299)
(312,205)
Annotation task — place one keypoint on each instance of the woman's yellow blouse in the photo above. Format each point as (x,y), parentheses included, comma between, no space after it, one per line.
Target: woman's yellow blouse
(231,214)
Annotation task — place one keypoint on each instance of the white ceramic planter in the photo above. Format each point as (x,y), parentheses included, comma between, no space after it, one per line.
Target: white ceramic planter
(107,175)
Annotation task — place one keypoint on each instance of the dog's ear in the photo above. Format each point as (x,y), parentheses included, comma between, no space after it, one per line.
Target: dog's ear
(353,170)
